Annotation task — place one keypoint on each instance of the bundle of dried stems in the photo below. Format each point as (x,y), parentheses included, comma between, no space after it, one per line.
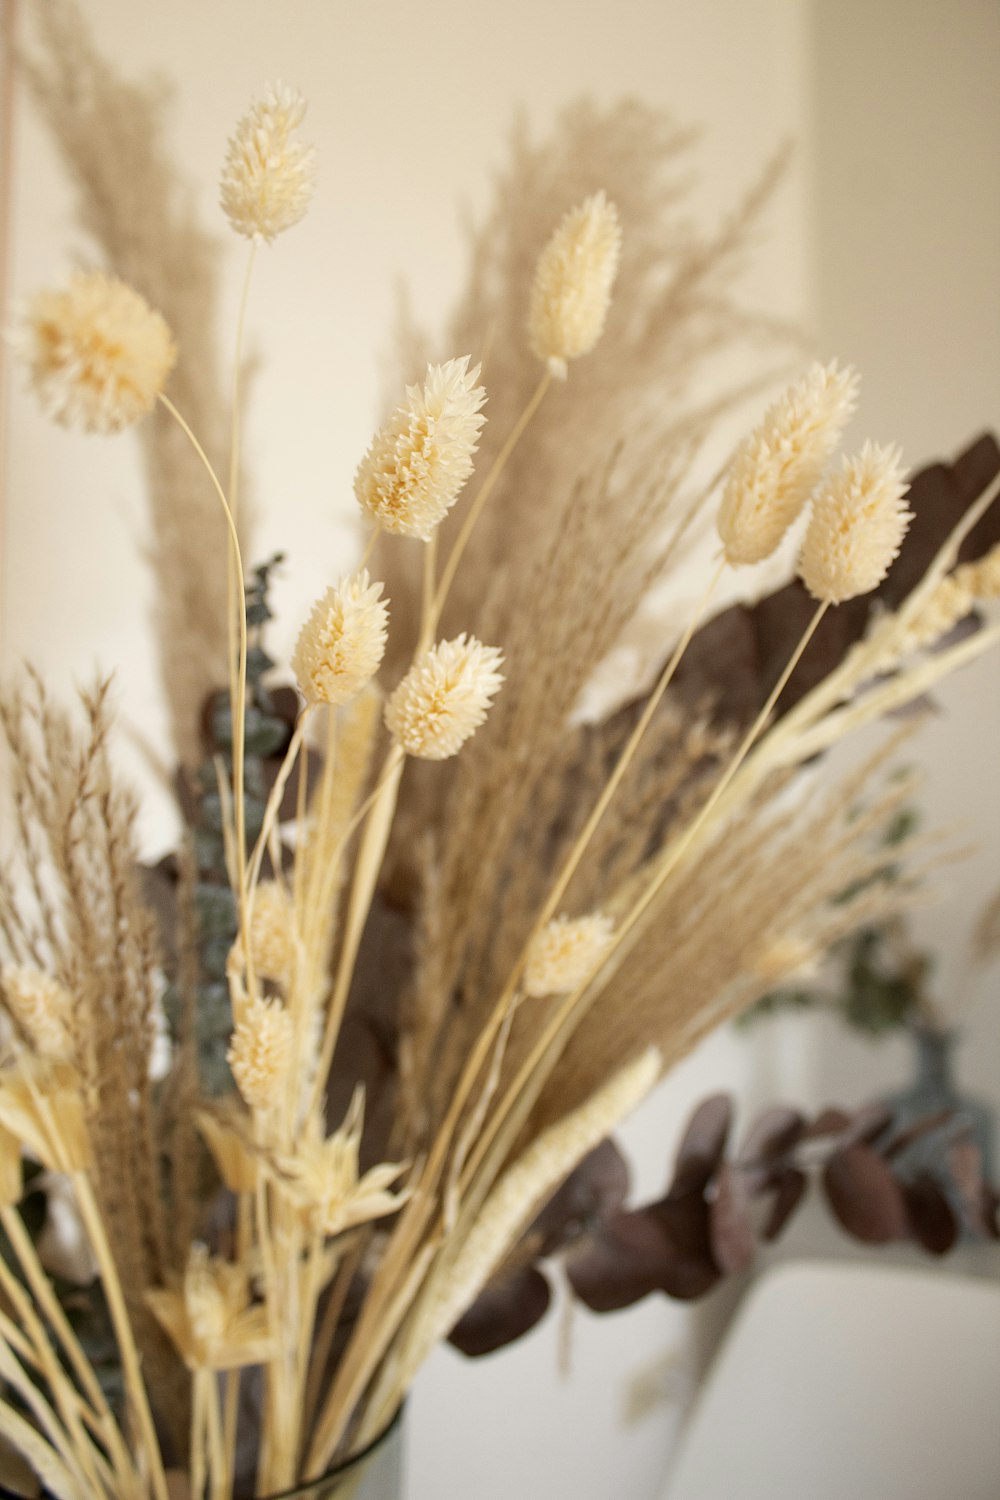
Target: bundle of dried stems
(583,903)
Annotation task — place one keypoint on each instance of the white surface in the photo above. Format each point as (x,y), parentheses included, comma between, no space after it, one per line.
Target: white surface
(857,1381)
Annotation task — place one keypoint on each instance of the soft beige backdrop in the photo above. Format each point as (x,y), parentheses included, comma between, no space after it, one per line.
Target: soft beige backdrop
(883,240)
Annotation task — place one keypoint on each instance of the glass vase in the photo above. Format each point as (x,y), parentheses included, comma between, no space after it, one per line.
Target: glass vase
(376,1473)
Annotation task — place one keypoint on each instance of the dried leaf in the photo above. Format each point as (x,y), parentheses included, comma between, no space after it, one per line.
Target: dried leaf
(791,1190)
(865,1197)
(506,1309)
(931,1216)
(702,1146)
(730,1228)
(596,1189)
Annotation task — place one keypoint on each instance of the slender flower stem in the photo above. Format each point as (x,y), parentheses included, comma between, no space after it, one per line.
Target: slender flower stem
(475,510)
(239,717)
(234,480)
(273,805)
(120,1321)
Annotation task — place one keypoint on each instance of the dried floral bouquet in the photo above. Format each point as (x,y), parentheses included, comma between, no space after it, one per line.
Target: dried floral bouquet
(588,906)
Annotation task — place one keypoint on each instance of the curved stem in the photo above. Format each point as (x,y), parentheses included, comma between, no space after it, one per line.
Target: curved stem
(239,717)
(475,510)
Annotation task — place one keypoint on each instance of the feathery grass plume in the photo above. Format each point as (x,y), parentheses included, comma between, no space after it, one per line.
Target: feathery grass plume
(322,1177)
(272,942)
(97,353)
(566,953)
(261,1051)
(41,1008)
(139,216)
(677,327)
(211,1317)
(269,174)
(778,465)
(444,697)
(419,461)
(73,907)
(343,641)
(571,292)
(857,526)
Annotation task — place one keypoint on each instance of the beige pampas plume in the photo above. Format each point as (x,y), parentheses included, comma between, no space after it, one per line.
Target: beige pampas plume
(97,353)
(566,953)
(858,523)
(417,464)
(41,1007)
(444,697)
(269,174)
(779,464)
(342,642)
(571,292)
(260,1052)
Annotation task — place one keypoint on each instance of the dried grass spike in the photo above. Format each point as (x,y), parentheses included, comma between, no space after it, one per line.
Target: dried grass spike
(444,697)
(269,174)
(571,292)
(857,526)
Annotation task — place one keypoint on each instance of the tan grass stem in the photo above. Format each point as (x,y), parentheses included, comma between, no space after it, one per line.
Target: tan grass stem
(121,1323)
(239,718)
(475,510)
(234,482)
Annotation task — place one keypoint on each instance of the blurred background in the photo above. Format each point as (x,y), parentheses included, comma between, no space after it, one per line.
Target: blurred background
(882,243)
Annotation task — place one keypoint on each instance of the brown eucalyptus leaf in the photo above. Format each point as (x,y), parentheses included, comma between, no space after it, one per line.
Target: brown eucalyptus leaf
(791,1189)
(594,1190)
(664,1247)
(506,1309)
(774,1133)
(702,1145)
(730,1228)
(865,1197)
(829,1121)
(915,1131)
(932,1219)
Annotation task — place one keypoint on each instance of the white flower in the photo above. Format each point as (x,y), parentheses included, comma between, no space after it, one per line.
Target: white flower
(97,353)
(571,292)
(342,643)
(417,464)
(566,954)
(779,464)
(444,697)
(268,177)
(858,523)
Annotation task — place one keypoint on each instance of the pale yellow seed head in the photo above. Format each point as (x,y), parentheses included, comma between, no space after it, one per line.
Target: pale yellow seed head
(419,461)
(272,940)
(260,1053)
(97,353)
(444,697)
(574,277)
(566,954)
(779,464)
(269,175)
(341,645)
(857,526)
(42,1009)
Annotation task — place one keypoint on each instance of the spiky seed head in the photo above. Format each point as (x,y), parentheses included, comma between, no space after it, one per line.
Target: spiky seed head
(574,278)
(341,645)
(858,522)
(97,354)
(444,697)
(269,175)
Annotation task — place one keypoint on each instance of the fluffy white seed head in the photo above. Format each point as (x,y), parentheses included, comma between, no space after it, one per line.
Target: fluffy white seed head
(342,643)
(566,954)
(260,1052)
(268,177)
(272,943)
(571,292)
(41,1008)
(444,697)
(782,460)
(858,522)
(97,353)
(419,461)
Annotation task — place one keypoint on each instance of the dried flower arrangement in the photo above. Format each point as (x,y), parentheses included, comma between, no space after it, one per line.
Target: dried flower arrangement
(572,906)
